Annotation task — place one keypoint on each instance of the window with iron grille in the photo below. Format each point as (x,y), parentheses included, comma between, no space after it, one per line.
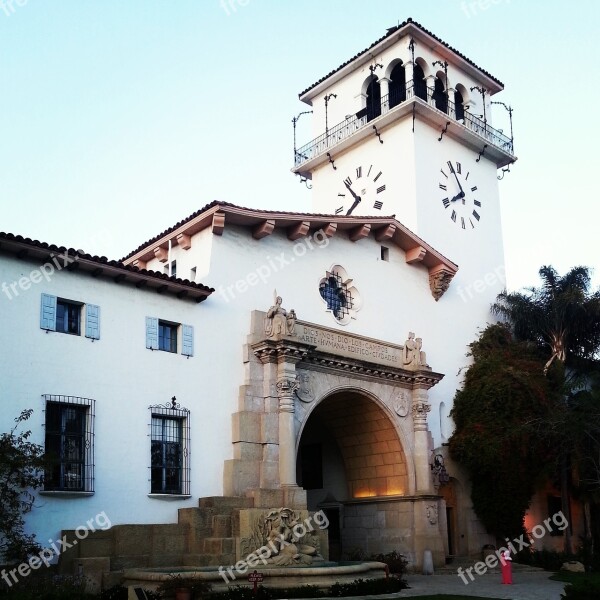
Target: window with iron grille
(169,449)
(69,443)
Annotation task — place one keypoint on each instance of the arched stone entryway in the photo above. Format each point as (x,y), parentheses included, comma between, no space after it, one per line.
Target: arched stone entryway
(352,464)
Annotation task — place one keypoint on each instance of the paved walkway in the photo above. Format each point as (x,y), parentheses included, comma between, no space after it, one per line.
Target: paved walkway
(526,586)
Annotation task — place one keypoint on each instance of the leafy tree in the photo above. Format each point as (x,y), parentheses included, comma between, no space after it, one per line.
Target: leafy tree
(21,464)
(504,391)
(562,317)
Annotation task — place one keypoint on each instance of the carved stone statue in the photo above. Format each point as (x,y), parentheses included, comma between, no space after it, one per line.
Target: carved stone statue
(408,352)
(278,322)
(422,355)
(413,356)
(278,530)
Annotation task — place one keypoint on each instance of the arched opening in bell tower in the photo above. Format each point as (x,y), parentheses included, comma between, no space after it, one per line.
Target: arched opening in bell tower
(397,85)
(373,99)
(419,82)
(350,454)
(439,95)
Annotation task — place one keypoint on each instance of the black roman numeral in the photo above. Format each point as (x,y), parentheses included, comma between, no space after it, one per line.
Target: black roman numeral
(358,172)
(342,195)
(339,210)
(453,216)
(477,203)
(458,168)
(369,171)
(446,202)
(474,188)
(472,226)
(467,175)
(348,181)
(476,215)
(462,222)
(377,176)
(442,187)
(380,189)
(444,174)
(450,167)
(378,204)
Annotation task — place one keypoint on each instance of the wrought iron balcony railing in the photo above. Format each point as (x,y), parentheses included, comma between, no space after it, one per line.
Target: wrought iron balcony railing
(391,101)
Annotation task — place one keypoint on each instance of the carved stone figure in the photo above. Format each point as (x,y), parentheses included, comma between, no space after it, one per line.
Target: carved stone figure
(408,352)
(305,391)
(286,538)
(413,356)
(401,404)
(291,322)
(432,513)
(278,322)
(422,355)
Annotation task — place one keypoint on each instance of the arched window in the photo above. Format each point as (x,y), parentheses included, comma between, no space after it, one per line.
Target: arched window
(397,85)
(459,105)
(373,99)
(419,81)
(439,95)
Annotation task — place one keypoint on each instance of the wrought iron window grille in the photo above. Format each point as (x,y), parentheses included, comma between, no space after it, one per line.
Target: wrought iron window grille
(69,443)
(169,449)
(337,295)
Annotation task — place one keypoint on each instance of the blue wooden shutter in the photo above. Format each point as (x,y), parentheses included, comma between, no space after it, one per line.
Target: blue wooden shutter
(152,333)
(48,312)
(92,321)
(187,340)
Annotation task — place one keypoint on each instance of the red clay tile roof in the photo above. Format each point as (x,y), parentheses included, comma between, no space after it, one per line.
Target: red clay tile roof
(390,32)
(26,246)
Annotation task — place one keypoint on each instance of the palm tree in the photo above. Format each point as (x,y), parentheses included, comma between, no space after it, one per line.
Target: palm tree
(562,317)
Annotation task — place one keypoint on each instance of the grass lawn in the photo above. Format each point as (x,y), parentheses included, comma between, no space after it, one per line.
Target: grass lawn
(568,577)
(451,597)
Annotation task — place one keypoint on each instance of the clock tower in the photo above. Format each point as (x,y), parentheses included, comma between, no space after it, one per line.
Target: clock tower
(405,128)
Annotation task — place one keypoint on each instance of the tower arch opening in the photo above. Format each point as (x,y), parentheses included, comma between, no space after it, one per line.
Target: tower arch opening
(397,77)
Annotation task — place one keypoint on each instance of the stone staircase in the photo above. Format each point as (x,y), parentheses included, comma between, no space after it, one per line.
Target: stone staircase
(212,530)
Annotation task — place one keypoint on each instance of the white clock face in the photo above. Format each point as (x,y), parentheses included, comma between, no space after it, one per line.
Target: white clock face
(461,199)
(365,187)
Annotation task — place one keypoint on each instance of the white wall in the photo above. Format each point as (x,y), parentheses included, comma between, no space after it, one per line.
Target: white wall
(123,377)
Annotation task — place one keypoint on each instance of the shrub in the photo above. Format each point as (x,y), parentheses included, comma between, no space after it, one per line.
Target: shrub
(582,590)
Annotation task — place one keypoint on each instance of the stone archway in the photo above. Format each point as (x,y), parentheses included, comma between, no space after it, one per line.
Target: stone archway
(349,454)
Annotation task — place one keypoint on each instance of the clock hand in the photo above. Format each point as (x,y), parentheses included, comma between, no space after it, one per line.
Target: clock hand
(458,196)
(457,181)
(354,195)
(356,202)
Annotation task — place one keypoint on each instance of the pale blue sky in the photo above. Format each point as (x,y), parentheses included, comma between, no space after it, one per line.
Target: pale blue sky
(120,118)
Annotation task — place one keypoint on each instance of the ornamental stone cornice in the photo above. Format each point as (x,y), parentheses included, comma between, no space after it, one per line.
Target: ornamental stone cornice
(276,351)
(269,351)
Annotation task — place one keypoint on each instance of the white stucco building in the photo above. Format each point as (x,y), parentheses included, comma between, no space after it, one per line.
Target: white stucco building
(340,405)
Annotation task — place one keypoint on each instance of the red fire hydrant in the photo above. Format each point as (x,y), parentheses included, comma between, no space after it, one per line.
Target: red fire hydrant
(506,566)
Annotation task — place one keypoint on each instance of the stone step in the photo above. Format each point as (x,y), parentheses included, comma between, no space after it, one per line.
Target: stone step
(208,560)
(220,545)
(225,504)
(221,526)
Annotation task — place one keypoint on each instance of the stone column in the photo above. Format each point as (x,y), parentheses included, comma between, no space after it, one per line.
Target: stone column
(286,386)
(384,87)
(408,77)
(420,408)
(430,81)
